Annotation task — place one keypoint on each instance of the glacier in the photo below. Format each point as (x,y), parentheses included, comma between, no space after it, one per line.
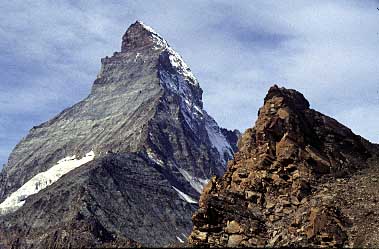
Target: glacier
(41,181)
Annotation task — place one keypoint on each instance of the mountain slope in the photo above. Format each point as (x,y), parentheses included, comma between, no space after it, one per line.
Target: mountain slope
(145,110)
(113,199)
(285,185)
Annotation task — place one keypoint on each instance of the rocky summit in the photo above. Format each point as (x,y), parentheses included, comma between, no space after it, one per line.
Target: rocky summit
(125,166)
(299,179)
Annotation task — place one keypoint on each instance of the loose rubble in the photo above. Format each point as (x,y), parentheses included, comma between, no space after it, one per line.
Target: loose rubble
(278,190)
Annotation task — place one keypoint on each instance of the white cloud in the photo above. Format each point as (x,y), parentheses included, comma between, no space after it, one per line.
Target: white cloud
(326,49)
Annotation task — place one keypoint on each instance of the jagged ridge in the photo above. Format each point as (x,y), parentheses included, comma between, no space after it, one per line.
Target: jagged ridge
(273,192)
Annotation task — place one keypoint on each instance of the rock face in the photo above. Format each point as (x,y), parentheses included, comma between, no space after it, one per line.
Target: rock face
(285,184)
(152,145)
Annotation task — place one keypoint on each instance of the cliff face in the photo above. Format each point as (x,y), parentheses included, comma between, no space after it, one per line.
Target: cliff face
(286,185)
(142,133)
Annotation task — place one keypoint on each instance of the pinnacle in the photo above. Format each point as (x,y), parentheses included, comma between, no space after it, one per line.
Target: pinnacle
(140,35)
(291,97)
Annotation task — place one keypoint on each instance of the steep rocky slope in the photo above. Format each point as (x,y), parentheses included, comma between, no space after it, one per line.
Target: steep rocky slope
(300,178)
(125,165)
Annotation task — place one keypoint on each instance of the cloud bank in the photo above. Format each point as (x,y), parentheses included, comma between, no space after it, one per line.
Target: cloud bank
(326,49)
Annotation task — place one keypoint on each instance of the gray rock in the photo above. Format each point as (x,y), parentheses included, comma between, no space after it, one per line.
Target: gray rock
(145,122)
(123,196)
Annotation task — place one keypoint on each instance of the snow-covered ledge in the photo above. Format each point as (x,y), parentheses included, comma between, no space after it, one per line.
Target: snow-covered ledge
(41,181)
(185,197)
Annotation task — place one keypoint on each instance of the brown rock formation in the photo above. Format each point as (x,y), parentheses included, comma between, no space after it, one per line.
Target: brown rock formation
(282,187)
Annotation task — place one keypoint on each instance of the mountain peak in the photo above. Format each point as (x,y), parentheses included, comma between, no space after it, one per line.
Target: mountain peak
(140,35)
(291,97)
(147,131)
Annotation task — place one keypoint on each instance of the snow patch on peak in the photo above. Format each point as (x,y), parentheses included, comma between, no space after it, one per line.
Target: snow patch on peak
(190,106)
(154,157)
(218,140)
(183,239)
(176,60)
(158,40)
(180,240)
(181,67)
(41,181)
(185,197)
(147,27)
(195,182)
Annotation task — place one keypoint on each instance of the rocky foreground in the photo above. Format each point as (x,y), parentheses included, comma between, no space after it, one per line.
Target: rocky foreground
(299,179)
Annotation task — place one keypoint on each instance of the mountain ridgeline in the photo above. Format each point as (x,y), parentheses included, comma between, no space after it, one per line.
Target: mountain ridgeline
(123,167)
(299,179)
(140,163)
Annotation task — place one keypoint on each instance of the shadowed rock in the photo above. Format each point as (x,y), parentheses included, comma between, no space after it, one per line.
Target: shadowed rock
(278,190)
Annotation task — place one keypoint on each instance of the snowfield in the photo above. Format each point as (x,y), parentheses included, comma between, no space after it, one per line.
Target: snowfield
(41,181)
(196,182)
(184,196)
(218,140)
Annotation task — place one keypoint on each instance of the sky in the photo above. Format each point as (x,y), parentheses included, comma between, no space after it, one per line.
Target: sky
(328,50)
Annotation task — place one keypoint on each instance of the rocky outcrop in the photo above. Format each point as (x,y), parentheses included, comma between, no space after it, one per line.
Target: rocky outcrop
(282,187)
(232,137)
(145,103)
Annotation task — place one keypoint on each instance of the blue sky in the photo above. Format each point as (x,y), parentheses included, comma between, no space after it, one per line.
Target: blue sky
(328,50)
